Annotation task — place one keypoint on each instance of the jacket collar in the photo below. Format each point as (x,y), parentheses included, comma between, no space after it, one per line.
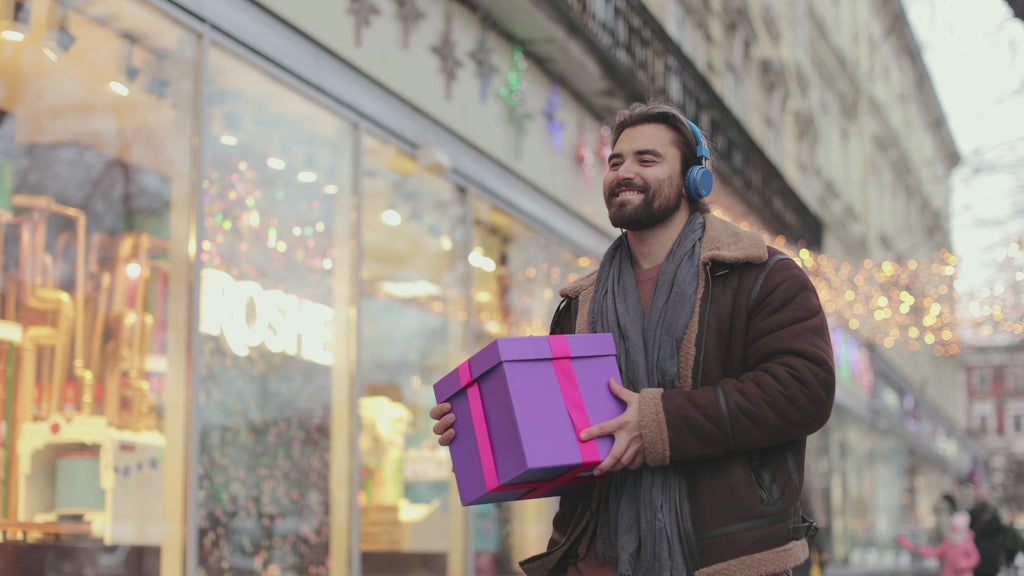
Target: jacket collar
(723,242)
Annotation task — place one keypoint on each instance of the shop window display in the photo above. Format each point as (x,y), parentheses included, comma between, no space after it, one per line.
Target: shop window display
(412,314)
(96,105)
(272,236)
(516,274)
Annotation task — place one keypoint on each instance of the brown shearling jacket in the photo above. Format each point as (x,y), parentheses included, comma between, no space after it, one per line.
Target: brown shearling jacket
(756,378)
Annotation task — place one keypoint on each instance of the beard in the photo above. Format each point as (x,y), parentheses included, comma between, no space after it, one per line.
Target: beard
(655,206)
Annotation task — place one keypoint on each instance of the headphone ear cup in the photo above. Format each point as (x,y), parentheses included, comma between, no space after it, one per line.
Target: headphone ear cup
(698,182)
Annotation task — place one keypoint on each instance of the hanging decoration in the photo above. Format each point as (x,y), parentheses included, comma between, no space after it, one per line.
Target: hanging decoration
(551,113)
(410,15)
(585,154)
(364,11)
(604,147)
(485,68)
(445,50)
(514,94)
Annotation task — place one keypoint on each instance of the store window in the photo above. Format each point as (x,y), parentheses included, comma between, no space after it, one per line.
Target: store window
(516,274)
(412,318)
(273,236)
(96,110)
(868,508)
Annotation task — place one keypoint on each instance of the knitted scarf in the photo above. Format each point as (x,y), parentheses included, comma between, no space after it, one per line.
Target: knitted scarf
(637,524)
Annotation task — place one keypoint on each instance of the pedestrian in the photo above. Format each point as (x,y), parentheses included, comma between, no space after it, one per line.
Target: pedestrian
(956,552)
(727,367)
(988,533)
(944,510)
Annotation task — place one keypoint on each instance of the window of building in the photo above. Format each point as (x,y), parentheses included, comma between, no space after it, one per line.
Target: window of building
(1018,423)
(514,293)
(1015,378)
(983,424)
(412,331)
(97,108)
(982,379)
(687,33)
(273,251)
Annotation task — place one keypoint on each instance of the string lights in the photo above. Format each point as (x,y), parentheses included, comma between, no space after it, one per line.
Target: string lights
(914,304)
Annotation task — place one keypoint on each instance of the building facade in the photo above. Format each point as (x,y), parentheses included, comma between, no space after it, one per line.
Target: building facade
(242,239)
(837,96)
(995,384)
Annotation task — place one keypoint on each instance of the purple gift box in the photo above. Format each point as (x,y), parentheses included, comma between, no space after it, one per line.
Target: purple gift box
(520,404)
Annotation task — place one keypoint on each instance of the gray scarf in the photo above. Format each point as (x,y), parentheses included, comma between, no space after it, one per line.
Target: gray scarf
(637,522)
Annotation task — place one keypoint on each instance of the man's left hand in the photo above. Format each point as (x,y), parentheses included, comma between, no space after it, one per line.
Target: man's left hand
(628,449)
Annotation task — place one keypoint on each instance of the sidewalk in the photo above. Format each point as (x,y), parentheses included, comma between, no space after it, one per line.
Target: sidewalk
(833,570)
(907,571)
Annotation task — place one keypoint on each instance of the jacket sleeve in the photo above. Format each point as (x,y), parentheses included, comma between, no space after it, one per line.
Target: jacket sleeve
(789,386)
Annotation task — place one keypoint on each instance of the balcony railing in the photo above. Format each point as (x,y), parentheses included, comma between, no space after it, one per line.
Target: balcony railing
(644,61)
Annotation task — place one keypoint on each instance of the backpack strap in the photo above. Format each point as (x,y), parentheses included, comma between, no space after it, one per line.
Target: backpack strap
(564,319)
(765,267)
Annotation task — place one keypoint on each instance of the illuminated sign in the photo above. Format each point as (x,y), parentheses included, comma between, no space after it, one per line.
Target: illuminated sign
(249,316)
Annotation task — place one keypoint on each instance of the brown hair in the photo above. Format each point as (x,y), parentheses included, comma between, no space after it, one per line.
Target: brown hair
(658,112)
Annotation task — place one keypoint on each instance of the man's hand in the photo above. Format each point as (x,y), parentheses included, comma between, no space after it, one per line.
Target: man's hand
(628,449)
(443,427)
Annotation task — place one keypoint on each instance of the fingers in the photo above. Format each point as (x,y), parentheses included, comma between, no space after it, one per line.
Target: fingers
(616,459)
(446,438)
(444,424)
(618,389)
(596,430)
(440,410)
(637,461)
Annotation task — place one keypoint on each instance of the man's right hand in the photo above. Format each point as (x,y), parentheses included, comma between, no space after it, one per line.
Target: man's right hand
(443,427)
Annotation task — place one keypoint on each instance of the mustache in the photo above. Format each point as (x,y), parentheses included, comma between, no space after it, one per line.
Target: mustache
(634,184)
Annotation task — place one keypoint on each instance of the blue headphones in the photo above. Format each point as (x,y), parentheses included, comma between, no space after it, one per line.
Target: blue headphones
(698,180)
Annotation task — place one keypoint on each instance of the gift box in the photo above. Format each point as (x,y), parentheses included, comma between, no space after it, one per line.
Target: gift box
(520,404)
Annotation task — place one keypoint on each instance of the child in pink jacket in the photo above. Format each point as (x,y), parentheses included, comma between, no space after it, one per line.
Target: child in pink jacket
(956,552)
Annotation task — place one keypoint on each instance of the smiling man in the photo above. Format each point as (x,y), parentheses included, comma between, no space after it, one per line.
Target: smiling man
(727,368)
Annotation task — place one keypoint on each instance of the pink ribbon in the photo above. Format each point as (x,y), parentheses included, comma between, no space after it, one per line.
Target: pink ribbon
(574,404)
(483,438)
(561,358)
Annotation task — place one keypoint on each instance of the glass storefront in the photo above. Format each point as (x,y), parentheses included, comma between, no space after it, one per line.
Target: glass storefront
(515,281)
(412,318)
(224,303)
(97,116)
(273,223)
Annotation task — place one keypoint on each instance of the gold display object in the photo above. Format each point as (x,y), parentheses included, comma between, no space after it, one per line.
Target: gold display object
(56,335)
(54,318)
(99,327)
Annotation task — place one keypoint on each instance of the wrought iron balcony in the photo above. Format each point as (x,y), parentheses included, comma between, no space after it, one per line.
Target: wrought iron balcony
(633,59)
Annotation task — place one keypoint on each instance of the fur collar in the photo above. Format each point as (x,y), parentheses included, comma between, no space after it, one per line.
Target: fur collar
(723,242)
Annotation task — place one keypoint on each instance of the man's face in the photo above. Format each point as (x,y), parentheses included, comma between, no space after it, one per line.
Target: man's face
(643,186)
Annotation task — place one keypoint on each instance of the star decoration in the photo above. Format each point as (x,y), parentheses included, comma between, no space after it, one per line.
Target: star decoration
(410,15)
(555,124)
(485,69)
(364,11)
(585,154)
(604,147)
(514,94)
(445,50)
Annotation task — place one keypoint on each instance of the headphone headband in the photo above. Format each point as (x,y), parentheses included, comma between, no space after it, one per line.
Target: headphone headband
(698,179)
(702,151)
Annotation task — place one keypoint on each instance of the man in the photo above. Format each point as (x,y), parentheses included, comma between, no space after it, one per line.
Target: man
(727,364)
(988,531)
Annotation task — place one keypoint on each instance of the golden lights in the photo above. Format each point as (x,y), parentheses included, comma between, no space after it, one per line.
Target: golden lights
(915,304)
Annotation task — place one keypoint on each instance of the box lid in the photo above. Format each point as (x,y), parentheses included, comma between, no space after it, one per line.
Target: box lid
(514,348)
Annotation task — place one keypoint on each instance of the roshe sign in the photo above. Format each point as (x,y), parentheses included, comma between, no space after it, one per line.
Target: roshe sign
(249,316)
